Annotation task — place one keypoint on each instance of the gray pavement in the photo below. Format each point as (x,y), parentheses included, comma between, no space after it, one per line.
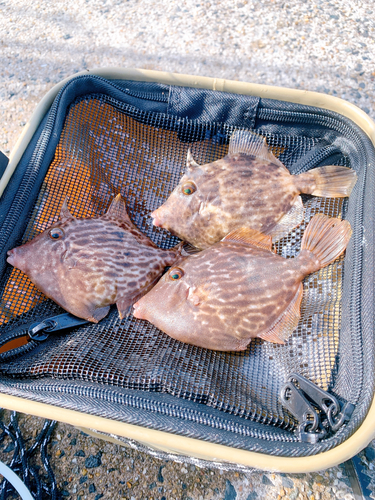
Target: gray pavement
(325,46)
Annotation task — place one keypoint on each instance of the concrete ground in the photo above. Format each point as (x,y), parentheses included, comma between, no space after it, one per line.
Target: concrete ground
(325,46)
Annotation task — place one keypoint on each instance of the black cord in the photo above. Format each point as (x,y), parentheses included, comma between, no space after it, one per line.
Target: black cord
(40,487)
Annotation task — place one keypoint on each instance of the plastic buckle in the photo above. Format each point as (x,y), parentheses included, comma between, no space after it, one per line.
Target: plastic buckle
(318,412)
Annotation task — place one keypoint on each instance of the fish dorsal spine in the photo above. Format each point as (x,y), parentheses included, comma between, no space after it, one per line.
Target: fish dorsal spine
(250,236)
(191,164)
(117,209)
(248,143)
(64,212)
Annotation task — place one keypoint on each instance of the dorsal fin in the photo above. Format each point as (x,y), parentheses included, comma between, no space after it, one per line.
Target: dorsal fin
(117,209)
(64,212)
(250,237)
(191,164)
(248,143)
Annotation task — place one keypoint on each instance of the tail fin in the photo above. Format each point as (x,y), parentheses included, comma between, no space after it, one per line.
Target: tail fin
(326,238)
(332,181)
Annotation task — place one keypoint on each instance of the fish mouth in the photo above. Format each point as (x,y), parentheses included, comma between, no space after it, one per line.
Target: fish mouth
(11,259)
(156,220)
(144,307)
(16,257)
(139,312)
(157,223)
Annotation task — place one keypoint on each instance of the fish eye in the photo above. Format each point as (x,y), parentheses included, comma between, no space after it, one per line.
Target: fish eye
(189,188)
(56,233)
(175,274)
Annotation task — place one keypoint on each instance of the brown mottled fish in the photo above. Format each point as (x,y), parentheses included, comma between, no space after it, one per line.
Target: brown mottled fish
(238,289)
(87,264)
(249,187)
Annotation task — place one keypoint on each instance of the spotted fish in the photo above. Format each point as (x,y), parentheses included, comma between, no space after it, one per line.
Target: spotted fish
(239,289)
(249,187)
(87,264)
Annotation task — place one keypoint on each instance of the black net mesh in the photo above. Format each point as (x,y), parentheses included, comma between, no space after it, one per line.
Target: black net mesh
(106,148)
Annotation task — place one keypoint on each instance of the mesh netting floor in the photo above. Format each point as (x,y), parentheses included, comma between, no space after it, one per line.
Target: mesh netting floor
(103,151)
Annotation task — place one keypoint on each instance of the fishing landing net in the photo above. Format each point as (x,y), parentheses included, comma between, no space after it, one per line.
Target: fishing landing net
(107,147)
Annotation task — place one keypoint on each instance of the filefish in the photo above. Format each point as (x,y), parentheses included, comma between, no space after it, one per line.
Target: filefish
(87,264)
(239,289)
(249,187)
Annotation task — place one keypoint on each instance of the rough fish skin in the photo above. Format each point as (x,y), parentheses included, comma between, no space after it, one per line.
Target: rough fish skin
(87,264)
(249,187)
(239,289)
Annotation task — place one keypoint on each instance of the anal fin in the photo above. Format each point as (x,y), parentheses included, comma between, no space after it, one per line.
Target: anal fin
(284,326)
(99,314)
(290,220)
(125,304)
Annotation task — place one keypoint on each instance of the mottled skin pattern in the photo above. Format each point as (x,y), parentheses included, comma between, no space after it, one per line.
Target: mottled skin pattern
(230,192)
(243,189)
(225,297)
(235,291)
(95,262)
